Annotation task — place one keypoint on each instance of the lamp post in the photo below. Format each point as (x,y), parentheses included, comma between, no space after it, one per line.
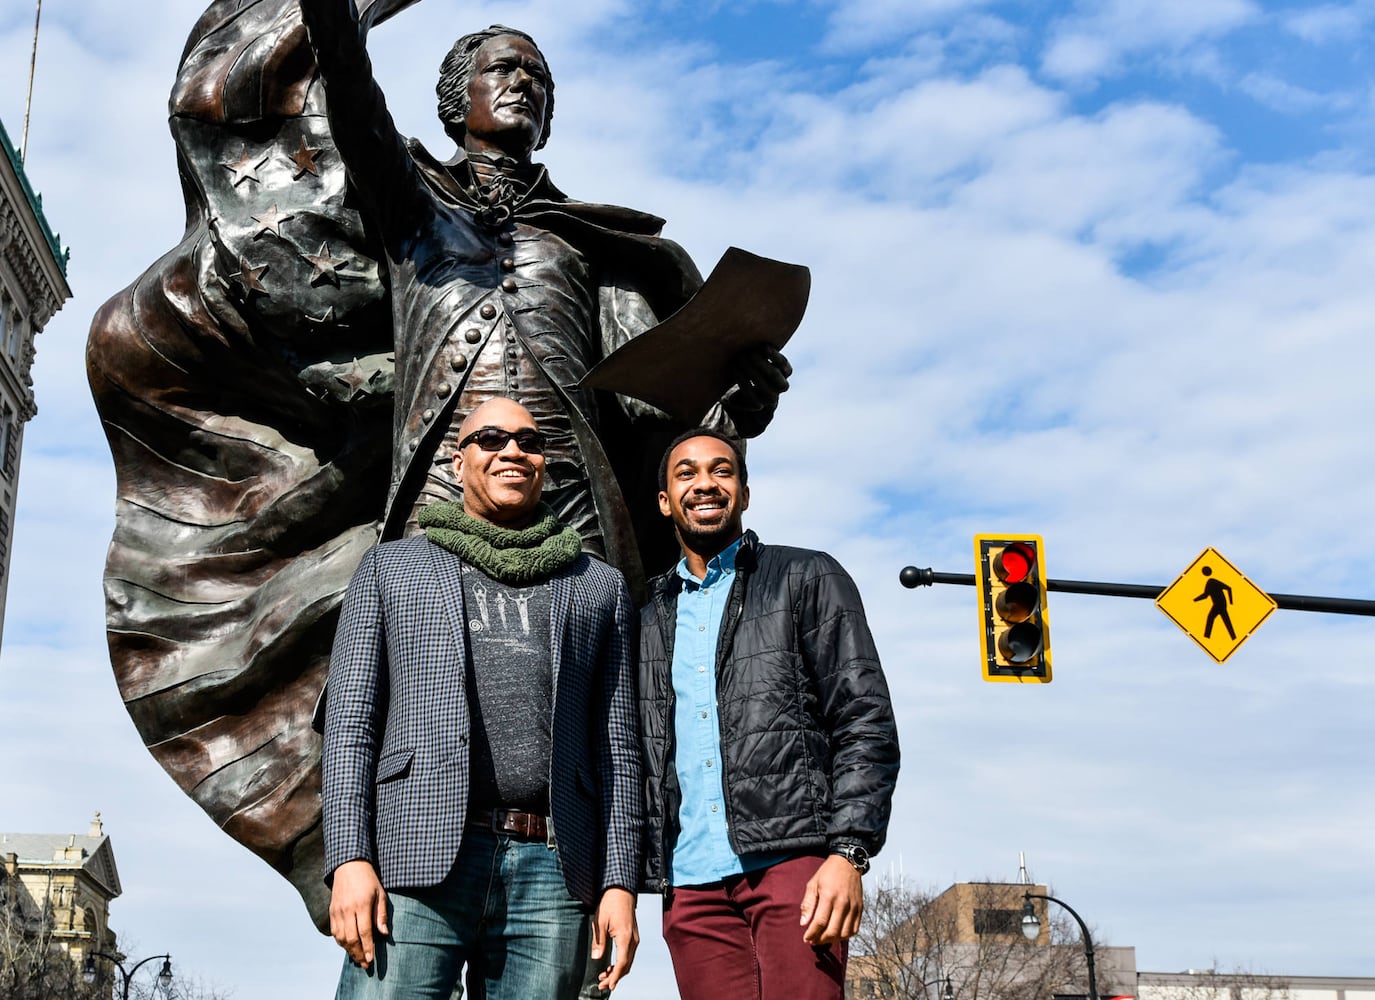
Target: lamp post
(1031,927)
(88,970)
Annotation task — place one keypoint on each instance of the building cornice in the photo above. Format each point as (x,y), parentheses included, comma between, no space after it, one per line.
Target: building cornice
(35,202)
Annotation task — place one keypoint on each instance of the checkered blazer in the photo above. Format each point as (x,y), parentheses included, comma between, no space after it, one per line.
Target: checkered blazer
(397,726)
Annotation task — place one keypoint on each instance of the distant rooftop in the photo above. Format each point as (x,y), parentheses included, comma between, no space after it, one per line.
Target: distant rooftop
(91,853)
(35,201)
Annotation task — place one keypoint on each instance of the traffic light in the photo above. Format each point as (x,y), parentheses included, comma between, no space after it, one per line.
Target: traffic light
(1010,576)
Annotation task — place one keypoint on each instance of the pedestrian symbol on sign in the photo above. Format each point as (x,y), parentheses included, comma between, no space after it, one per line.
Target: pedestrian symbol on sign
(1221,596)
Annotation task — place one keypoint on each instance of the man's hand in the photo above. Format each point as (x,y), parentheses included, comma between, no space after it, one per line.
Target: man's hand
(357,904)
(614,923)
(833,903)
(761,375)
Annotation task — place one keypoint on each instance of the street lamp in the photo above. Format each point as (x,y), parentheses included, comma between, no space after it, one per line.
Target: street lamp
(1031,927)
(88,971)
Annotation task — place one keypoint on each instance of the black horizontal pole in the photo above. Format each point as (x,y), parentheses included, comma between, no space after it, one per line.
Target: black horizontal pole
(913,577)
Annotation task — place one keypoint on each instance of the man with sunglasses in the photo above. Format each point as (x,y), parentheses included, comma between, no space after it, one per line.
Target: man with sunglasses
(482,798)
(769,745)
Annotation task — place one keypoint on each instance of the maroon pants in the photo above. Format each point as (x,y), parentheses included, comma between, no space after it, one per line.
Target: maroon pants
(740,939)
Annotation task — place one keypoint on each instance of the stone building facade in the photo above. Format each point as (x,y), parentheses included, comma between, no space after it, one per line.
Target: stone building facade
(33,286)
(57,888)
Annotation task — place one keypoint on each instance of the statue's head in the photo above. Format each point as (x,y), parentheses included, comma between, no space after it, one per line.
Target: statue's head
(493,66)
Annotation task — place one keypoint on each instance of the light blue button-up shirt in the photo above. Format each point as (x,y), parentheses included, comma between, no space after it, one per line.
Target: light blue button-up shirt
(703,852)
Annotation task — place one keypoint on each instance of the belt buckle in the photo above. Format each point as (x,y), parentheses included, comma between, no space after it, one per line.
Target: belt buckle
(502,822)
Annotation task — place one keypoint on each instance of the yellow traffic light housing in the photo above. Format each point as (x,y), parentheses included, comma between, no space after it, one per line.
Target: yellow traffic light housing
(1010,576)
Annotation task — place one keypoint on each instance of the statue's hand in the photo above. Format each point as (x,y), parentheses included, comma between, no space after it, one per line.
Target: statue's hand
(761,375)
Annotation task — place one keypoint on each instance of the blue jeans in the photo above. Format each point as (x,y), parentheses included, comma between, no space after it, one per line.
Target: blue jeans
(504,912)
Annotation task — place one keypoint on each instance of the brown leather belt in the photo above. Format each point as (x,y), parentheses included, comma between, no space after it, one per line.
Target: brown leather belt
(527,826)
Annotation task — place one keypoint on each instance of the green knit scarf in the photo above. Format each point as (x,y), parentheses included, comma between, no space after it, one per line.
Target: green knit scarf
(514,557)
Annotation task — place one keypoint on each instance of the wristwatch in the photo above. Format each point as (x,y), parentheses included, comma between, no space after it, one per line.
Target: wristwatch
(854,854)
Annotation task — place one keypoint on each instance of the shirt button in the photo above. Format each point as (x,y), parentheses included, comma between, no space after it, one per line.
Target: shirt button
(507,264)
(458,363)
(474,334)
(715,809)
(701,628)
(488,311)
(505,239)
(509,285)
(704,715)
(708,763)
(701,670)
(443,389)
(427,416)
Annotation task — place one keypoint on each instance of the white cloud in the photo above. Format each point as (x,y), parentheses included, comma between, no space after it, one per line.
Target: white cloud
(1291,99)
(1328,23)
(855,24)
(1094,41)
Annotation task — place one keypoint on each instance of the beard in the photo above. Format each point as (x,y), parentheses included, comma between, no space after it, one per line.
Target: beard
(709,537)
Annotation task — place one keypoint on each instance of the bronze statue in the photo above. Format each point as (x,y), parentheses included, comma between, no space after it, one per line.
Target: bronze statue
(282,387)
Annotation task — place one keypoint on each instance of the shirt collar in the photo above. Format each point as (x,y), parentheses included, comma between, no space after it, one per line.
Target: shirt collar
(721,564)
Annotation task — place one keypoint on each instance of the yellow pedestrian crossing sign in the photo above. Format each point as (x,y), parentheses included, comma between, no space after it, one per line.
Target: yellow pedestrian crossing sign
(1215,604)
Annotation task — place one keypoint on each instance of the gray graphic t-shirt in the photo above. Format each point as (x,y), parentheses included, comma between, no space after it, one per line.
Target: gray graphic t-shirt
(510,692)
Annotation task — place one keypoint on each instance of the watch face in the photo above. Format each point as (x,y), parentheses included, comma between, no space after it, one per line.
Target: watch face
(856,855)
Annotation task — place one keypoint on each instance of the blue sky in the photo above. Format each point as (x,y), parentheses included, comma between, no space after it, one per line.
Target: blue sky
(1125,246)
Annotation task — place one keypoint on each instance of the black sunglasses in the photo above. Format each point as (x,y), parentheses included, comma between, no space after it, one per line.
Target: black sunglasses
(528,439)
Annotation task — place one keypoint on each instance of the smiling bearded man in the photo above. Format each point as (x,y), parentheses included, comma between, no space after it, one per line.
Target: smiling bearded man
(481,698)
(770,750)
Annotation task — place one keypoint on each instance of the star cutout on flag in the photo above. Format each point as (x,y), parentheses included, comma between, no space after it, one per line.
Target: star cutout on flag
(326,268)
(271,221)
(247,276)
(304,158)
(245,168)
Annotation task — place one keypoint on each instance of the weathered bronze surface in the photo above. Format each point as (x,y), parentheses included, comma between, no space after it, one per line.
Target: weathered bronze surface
(280,389)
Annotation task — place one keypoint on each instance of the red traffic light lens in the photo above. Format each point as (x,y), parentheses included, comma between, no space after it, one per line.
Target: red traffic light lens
(1015,562)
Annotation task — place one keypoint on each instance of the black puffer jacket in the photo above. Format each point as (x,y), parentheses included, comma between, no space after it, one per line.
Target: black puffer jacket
(808,741)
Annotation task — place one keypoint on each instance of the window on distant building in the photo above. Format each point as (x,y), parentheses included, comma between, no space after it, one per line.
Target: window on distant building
(997,921)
